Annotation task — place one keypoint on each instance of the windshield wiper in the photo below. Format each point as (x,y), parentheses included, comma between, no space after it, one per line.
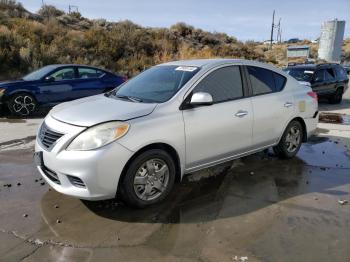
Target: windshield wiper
(130,98)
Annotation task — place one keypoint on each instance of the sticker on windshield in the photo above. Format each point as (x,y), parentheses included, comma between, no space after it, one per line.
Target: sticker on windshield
(308,72)
(186,68)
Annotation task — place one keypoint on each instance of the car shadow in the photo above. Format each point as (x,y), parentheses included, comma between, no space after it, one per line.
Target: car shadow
(39,113)
(242,186)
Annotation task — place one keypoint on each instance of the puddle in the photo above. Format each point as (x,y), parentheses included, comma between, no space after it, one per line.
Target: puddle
(325,153)
(334,118)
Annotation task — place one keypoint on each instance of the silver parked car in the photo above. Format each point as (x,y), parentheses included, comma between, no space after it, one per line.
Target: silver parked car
(172,119)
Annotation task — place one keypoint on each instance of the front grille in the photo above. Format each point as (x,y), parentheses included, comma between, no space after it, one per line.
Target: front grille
(76,181)
(51,175)
(48,137)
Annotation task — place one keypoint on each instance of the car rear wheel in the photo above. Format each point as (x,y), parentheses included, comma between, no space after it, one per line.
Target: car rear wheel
(148,179)
(291,141)
(22,104)
(337,97)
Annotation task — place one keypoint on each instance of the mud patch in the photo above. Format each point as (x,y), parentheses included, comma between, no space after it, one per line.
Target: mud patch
(23,143)
(12,120)
(334,118)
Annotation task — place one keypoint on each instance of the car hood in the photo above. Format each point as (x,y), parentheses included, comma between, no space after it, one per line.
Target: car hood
(93,110)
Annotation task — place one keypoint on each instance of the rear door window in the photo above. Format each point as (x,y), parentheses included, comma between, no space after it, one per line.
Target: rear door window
(320,75)
(329,74)
(265,81)
(223,84)
(85,72)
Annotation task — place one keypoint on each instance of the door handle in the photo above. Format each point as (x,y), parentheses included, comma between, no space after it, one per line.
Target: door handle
(241,113)
(288,104)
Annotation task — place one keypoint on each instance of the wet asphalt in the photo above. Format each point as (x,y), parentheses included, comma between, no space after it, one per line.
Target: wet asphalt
(258,208)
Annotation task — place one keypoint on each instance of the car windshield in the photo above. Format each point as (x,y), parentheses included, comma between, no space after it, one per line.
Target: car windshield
(156,85)
(300,74)
(38,74)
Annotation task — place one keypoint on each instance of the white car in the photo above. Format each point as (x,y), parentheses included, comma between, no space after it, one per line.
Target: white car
(175,118)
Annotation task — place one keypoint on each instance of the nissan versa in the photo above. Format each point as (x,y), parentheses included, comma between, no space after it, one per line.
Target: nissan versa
(136,141)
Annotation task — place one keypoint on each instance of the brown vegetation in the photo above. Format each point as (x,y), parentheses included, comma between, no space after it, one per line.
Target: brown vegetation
(29,41)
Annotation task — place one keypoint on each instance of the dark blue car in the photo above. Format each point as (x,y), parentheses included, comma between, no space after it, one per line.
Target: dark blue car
(55,84)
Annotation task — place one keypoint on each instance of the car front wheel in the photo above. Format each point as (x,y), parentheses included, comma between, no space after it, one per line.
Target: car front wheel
(291,140)
(148,179)
(22,104)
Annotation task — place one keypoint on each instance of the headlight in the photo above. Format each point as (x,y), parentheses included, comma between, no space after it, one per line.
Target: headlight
(98,136)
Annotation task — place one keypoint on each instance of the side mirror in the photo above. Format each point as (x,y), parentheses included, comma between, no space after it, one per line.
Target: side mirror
(201,99)
(49,79)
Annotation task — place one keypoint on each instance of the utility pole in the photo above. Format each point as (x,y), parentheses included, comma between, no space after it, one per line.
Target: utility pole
(272,28)
(281,35)
(279,31)
(73,8)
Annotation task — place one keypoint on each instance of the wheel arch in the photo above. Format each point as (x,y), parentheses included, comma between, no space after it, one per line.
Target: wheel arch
(341,86)
(20,91)
(302,122)
(163,146)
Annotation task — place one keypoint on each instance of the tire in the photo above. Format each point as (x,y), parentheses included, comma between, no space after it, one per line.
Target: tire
(146,190)
(337,97)
(22,104)
(286,149)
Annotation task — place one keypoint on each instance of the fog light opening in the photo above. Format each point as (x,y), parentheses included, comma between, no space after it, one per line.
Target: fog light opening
(76,181)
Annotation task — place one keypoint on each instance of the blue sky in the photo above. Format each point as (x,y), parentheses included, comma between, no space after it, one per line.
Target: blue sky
(244,19)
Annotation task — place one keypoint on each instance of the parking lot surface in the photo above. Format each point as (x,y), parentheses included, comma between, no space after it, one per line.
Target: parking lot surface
(258,208)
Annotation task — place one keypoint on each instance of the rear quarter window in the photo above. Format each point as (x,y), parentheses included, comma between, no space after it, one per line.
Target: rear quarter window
(280,81)
(341,73)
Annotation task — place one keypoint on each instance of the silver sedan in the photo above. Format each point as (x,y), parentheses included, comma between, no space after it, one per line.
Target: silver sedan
(136,141)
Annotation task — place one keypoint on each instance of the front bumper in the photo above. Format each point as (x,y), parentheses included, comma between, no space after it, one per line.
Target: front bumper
(99,170)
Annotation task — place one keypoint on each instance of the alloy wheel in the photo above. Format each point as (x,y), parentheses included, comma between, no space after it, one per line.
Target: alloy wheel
(151,179)
(293,139)
(23,105)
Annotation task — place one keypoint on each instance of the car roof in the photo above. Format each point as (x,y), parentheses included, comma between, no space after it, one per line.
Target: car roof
(309,66)
(65,65)
(201,62)
(209,63)
(312,66)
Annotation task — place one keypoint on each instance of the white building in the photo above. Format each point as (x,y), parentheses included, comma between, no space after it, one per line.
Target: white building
(298,51)
(331,40)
